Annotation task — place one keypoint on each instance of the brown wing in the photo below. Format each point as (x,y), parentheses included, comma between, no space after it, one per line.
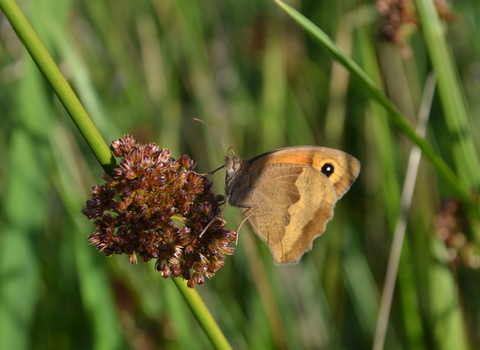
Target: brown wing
(288,207)
(346,166)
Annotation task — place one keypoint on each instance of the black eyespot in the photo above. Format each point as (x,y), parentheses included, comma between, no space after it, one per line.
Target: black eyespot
(328,169)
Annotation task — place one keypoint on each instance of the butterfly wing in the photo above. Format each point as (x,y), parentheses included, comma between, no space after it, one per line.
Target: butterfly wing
(346,167)
(288,208)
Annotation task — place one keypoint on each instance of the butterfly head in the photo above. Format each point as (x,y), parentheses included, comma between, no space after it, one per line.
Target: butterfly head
(233,164)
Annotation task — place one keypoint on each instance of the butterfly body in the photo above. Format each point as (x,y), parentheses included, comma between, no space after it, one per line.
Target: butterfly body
(288,194)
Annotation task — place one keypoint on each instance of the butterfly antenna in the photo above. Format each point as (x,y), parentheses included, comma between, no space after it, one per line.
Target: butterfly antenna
(221,138)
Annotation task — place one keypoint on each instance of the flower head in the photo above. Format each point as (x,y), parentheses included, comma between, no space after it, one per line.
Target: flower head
(158,208)
(452,227)
(402,21)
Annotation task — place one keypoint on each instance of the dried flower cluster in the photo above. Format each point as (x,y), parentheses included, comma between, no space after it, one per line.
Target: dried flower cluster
(157,207)
(403,21)
(450,226)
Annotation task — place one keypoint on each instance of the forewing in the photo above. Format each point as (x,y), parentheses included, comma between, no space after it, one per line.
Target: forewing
(346,166)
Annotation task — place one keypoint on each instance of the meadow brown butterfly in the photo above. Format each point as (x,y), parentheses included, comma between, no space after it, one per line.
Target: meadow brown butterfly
(288,194)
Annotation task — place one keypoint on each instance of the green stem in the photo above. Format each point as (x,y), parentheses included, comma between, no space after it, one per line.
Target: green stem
(455,111)
(204,318)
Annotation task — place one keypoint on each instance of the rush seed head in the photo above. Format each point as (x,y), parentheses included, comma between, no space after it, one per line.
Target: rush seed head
(156,207)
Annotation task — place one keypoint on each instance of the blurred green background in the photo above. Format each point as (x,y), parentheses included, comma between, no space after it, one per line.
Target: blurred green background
(147,68)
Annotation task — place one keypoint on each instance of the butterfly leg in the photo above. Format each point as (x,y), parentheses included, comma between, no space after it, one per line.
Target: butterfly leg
(211,222)
(254,209)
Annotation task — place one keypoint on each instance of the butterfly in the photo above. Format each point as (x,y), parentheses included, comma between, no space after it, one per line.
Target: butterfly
(288,194)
